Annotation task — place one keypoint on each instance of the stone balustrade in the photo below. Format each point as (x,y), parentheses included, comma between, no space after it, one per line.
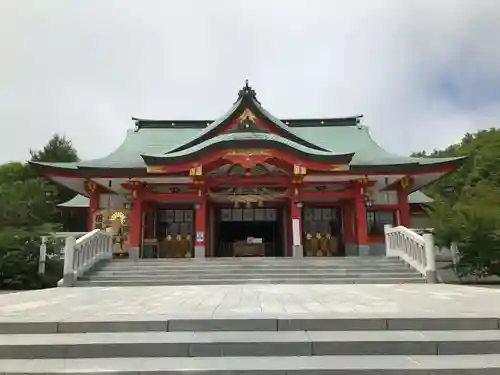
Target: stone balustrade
(416,250)
(83,253)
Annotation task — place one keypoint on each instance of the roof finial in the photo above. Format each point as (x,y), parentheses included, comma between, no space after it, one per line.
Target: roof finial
(247,91)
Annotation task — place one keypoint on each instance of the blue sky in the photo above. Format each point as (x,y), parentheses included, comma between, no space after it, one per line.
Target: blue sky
(422,72)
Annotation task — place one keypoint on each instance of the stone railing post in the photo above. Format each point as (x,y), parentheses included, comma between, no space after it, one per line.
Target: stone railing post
(430,257)
(455,256)
(43,255)
(69,254)
(387,227)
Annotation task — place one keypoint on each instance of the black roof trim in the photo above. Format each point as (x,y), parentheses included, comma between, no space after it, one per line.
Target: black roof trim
(315,122)
(201,124)
(170,124)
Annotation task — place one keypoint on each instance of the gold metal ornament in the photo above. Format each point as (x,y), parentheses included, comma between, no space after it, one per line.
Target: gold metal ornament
(118,215)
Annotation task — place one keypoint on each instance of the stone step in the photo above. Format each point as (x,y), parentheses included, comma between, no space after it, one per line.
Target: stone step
(253,269)
(155,281)
(244,344)
(252,276)
(256,261)
(194,269)
(106,272)
(247,323)
(342,365)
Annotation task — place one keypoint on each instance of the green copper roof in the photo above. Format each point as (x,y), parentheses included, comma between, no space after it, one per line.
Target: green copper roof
(243,139)
(78,201)
(417,197)
(339,139)
(312,136)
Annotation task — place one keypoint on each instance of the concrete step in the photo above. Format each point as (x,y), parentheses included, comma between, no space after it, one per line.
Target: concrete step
(261,262)
(270,259)
(252,276)
(248,324)
(263,271)
(340,365)
(189,270)
(250,269)
(244,344)
(172,281)
(241,272)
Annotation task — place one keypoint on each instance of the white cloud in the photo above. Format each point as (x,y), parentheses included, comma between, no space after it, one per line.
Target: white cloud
(84,67)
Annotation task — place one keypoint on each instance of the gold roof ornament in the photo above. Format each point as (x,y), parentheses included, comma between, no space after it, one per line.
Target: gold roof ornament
(247,115)
(404,182)
(196,171)
(155,169)
(90,186)
(299,170)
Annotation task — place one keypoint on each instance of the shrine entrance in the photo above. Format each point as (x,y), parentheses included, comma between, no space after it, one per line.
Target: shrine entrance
(244,232)
(322,231)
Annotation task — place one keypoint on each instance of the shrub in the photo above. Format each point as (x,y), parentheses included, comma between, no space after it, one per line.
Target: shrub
(19,256)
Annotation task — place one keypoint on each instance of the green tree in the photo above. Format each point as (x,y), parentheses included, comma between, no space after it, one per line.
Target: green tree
(466,203)
(57,150)
(28,211)
(26,208)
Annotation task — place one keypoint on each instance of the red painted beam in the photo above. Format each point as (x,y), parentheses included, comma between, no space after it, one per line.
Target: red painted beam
(171,197)
(326,195)
(45,171)
(224,154)
(248,181)
(348,184)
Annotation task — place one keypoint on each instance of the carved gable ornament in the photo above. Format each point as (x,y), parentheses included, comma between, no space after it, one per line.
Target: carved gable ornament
(247,122)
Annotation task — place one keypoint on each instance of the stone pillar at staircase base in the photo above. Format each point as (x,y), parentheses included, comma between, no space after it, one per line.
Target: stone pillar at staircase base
(354,250)
(364,250)
(133,252)
(199,252)
(67,280)
(298,251)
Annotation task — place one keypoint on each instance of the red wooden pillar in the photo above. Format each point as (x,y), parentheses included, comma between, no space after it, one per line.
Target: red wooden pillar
(135,225)
(347,219)
(404,208)
(200,248)
(361,225)
(93,207)
(296,216)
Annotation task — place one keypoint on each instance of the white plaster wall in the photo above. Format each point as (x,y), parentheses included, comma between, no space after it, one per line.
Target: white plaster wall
(112,201)
(384,197)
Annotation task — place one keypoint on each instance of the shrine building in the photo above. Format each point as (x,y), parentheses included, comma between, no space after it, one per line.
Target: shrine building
(249,184)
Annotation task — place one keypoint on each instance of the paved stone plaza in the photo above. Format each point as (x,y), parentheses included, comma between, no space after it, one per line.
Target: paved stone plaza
(252,301)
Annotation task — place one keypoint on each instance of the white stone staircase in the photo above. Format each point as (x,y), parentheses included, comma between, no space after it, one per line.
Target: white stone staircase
(409,258)
(229,271)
